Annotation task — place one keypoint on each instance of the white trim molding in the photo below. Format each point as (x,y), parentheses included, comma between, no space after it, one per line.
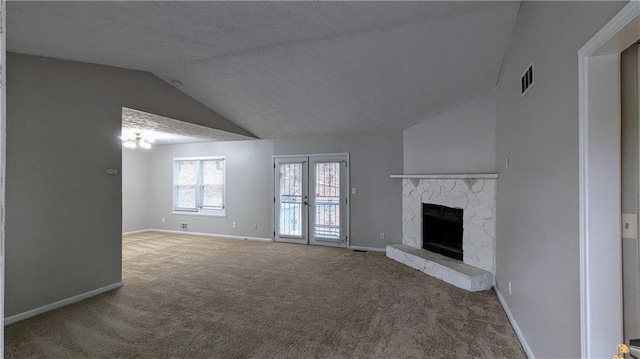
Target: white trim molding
(135,232)
(203,213)
(61,303)
(514,324)
(3,161)
(273,157)
(450,176)
(368,249)
(599,180)
(200,234)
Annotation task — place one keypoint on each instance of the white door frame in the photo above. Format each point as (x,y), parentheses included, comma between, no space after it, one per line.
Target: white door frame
(3,157)
(599,182)
(347,184)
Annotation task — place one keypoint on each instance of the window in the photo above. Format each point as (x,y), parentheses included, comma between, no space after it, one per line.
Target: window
(199,185)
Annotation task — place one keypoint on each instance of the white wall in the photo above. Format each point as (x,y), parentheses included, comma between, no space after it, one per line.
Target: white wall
(537,211)
(373,158)
(135,189)
(64,213)
(459,140)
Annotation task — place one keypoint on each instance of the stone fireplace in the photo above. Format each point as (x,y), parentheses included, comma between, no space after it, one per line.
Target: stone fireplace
(448,225)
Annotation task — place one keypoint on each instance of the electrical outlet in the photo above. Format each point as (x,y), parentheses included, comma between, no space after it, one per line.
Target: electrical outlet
(234,225)
(353,190)
(184,226)
(164,220)
(509,287)
(381,235)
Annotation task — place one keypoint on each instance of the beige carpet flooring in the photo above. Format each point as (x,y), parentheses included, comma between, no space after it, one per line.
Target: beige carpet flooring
(194,297)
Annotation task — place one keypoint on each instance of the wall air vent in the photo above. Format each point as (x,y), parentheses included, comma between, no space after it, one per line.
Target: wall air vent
(184,226)
(526,81)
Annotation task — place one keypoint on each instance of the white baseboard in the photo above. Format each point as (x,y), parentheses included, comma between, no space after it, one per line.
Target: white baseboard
(368,249)
(135,232)
(61,303)
(514,324)
(213,235)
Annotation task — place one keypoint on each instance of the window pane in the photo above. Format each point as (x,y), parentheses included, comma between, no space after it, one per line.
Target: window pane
(187,172)
(185,196)
(213,183)
(213,172)
(212,195)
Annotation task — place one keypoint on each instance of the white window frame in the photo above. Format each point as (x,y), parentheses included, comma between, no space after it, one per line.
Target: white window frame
(199,209)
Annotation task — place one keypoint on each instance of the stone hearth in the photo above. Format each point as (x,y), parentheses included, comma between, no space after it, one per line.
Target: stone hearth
(475,194)
(449,270)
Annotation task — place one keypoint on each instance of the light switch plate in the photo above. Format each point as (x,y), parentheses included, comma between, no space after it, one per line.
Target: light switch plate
(629,226)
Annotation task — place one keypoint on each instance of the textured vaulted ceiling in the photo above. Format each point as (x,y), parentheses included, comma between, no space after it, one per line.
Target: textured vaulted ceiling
(287,68)
(164,130)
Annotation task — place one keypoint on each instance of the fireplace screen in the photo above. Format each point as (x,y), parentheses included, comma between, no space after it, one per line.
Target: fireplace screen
(442,230)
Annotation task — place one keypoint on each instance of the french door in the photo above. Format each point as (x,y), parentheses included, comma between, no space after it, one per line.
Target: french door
(291,199)
(311,200)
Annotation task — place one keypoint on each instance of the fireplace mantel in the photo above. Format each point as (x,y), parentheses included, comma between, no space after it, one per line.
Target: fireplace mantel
(449,176)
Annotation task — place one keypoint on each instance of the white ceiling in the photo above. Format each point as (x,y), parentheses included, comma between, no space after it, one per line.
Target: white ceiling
(165,131)
(287,68)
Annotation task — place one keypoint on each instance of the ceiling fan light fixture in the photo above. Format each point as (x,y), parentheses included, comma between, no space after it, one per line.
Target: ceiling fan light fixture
(136,141)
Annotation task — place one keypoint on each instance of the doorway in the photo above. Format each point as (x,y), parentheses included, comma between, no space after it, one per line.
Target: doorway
(600,179)
(311,199)
(630,138)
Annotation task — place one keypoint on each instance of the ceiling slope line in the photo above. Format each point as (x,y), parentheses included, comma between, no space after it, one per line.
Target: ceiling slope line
(504,56)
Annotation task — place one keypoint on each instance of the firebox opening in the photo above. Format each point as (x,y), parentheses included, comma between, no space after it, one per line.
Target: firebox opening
(442,230)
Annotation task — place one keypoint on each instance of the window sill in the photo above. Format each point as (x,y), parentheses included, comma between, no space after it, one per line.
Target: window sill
(205,214)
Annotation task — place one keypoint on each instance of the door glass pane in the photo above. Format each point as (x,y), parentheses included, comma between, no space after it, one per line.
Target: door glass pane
(327,200)
(291,199)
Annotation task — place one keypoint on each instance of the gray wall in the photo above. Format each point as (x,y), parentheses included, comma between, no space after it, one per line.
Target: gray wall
(135,189)
(537,210)
(459,140)
(377,205)
(373,157)
(64,213)
(248,191)
(630,187)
